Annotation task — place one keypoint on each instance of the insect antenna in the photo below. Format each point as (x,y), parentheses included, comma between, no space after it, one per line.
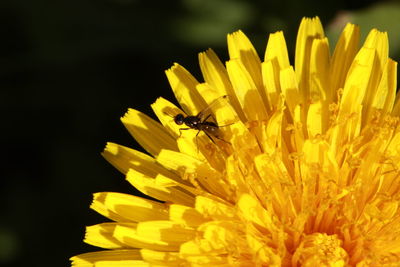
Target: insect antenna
(168,114)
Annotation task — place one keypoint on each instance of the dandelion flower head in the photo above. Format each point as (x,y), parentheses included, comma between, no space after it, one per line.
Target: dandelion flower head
(306,173)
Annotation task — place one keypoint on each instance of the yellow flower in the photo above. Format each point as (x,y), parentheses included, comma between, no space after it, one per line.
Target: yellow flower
(305,174)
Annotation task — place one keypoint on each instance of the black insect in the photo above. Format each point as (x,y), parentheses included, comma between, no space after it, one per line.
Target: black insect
(201,122)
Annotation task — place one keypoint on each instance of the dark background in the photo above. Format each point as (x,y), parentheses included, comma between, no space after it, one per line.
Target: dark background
(69,71)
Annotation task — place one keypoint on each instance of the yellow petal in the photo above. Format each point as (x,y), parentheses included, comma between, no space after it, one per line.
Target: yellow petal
(277,49)
(276,58)
(318,113)
(196,257)
(186,215)
(273,141)
(214,72)
(154,235)
(270,73)
(246,91)
(378,41)
(103,210)
(92,258)
(396,108)
(123,263)
(221,235)
(216,76)
(277,180)
(319,69)
(249,98)
(183,185)
(212,208)
(252,211)
(315,119)
(131,208)
(345,51)
(149,187)
(264,253)
(392,154)
(149,238)
(355,89)
(124,158)
(289,88)
(196,171)
(320,172)
(166,111)
(386,92)
(183,85)
(241,49)
(102,235)
(161,257)
(309,30)
(149,133)
(172,232)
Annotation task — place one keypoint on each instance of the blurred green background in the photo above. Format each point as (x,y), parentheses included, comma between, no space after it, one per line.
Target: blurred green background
(69,71)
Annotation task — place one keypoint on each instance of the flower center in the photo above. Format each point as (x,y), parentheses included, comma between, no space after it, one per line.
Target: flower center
(320,249)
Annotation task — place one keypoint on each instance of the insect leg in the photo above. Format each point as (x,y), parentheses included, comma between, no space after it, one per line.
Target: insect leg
(209,136)
(208,116)
(197,144)
(219,138)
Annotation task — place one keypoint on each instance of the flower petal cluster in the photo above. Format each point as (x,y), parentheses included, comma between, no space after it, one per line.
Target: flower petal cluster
(306,173)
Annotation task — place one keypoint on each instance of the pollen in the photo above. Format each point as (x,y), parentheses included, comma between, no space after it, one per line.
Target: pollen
(320,250)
